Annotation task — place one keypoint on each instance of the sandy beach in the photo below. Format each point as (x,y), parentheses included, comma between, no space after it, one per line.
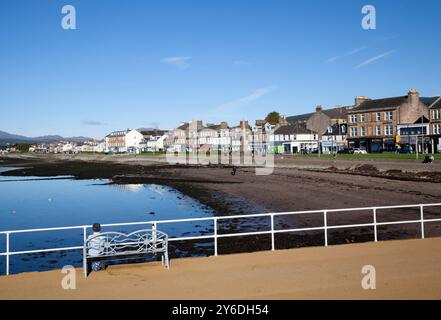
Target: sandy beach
(408,269)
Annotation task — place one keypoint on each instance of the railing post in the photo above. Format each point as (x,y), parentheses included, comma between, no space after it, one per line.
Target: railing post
(325,224)
(215,236)
(272,233)
(85,271)
(7,253)
(375,225)
(154,234)
(422,220)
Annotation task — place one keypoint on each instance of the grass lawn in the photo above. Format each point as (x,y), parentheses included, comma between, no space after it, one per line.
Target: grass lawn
(397,156)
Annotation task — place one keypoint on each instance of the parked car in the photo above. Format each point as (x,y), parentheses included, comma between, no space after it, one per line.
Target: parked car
(346,151)
(360,151)
(406,149)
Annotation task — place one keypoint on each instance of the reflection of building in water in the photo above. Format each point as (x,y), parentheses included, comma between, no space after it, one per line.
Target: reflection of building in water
(158,189)
(128,187)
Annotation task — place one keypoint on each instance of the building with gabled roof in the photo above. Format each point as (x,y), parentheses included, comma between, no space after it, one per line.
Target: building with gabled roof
(322,119)
(294,138)
(124,141)
(388,124)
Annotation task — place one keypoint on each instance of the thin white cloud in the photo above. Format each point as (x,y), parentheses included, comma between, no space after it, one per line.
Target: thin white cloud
(246,100)
(373,59)
(182,62)
(93,123)
(347,54)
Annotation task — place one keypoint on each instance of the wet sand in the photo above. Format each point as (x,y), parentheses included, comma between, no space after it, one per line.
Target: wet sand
(408,269)
(295,184)
(348,183)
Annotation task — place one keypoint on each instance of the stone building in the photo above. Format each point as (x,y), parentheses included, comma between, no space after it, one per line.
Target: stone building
(185,137)
(435,125)
(328,124)
(214,137)
(123,141)
(320,120)
(388,124)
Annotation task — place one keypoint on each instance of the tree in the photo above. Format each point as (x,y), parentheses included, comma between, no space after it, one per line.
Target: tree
(23,147)
(272,117)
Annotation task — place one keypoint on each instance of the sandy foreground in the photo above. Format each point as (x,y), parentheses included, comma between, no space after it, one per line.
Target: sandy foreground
(405,269)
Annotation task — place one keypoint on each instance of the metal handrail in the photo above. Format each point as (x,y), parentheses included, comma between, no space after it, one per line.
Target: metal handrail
(216,235)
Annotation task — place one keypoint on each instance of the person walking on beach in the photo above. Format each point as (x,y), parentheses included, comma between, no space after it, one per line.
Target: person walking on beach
(96,246)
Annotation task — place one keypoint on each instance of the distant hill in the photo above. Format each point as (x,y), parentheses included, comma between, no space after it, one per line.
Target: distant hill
(6,137)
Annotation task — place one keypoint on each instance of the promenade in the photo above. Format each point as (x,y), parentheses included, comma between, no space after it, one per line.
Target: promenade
(405,269)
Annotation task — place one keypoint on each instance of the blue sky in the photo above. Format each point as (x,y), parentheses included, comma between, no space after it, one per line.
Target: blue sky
(147,63)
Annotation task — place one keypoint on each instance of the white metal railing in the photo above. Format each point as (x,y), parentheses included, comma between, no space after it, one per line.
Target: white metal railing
(215,236)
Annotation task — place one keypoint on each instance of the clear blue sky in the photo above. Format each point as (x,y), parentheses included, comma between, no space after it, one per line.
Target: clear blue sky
(154,63)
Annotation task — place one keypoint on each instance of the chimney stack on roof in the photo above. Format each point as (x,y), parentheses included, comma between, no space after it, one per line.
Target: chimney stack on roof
(414,97)
(244,124)
(318,109)
(360,99)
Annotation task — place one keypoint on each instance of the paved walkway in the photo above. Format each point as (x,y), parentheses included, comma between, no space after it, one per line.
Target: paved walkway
(404,269)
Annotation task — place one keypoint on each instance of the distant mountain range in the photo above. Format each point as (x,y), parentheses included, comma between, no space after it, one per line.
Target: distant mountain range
(15,138)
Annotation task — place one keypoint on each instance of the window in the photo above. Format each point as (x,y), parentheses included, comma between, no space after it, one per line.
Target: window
(436,114)
(363,131)
(354,132)
(388,116)
(354,118)
(436,129)
(343,129)
(363,117)
(378,116)
(388,130)
(378,130)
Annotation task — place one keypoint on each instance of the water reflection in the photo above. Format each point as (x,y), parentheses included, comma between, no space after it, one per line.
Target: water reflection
(30,202)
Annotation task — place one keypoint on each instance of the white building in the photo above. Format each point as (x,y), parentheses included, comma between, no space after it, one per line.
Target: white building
(133,139)
(157,143)
(100,147)
(67,148)
(294,138)
(154,140)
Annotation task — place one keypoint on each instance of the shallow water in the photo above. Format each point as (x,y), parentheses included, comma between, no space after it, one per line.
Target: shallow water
(31,202)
